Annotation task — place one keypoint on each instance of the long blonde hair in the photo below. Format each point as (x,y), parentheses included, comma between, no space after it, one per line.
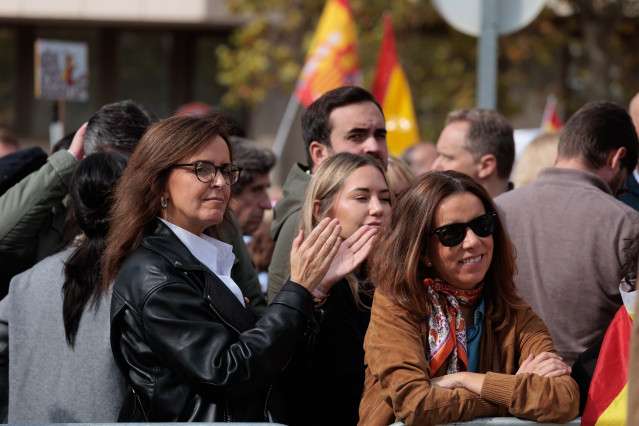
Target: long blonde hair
(325,186)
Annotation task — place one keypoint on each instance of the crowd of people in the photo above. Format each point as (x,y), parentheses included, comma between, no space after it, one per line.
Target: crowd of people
(142,280)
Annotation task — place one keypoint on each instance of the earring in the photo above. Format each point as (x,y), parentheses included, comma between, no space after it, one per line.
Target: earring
(163,202)
(429,263)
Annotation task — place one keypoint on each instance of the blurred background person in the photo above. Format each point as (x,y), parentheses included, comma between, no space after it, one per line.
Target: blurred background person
(16,166)
(399,175)
(8,142)
(540,153)
(571,232)
(261,249)
(420,157)
(479,143)
(631,186)
(15,163)
(249,196)
(250,199)
(56,364)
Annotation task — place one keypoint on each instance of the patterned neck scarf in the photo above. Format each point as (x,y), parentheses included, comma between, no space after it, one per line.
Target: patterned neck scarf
(447,330)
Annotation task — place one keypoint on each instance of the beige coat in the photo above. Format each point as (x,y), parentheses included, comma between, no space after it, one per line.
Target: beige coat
(397,385)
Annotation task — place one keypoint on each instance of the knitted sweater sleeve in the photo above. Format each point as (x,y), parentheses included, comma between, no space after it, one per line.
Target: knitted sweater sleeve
(530,396)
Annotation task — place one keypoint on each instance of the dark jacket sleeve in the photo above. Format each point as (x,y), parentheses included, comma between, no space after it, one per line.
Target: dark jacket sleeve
(31,216)
(184,331)
(16,166)
(27,205)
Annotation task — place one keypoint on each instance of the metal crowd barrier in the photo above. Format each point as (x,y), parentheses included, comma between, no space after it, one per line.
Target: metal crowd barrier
(501,421)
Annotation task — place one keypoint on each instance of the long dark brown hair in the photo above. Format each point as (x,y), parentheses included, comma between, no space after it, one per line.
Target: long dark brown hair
(137,198)
(91,188)
(397,265)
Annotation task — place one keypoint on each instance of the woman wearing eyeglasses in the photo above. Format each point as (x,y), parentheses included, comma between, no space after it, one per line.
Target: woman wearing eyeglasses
(449,339)
(182,334)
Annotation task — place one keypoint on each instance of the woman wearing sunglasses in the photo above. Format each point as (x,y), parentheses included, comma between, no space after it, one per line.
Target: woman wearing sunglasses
(449,339)
(182,334)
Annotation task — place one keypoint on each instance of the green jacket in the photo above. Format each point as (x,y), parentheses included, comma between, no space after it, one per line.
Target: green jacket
(285,227)
(32,218)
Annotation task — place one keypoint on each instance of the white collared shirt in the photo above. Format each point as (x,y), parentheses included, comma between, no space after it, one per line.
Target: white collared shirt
(214,254)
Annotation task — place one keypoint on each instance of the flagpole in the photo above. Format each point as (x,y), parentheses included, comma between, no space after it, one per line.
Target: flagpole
(285,125)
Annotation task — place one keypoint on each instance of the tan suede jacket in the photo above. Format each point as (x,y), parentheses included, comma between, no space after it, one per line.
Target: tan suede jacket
(397,385)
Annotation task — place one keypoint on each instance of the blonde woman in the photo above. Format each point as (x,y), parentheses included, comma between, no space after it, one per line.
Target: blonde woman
(399,175)
(540,153)
(327,381)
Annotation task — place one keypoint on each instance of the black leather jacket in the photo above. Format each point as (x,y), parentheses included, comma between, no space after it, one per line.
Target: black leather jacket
(187,347)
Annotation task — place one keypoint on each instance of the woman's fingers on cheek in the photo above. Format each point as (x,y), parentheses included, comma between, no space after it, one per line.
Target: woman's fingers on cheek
(329,250)
(318,231)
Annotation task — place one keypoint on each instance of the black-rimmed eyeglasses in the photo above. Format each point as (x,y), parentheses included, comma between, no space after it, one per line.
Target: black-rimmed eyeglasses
(453,234)
(206,172)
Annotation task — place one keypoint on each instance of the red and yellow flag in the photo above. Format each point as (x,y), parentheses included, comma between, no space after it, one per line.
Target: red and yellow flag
(392,91)
(607,401)
(550,121)
(333,58)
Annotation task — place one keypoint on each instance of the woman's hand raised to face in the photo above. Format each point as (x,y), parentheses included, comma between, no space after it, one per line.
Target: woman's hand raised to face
(312,257)
(351,254)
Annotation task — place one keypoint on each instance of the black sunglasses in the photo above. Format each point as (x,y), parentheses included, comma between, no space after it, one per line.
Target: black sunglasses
(453,234)
(206,172)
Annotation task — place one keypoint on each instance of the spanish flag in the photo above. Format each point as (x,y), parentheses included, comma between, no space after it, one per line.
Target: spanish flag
(392,91)
(607,401)
(333,58)
(550,121)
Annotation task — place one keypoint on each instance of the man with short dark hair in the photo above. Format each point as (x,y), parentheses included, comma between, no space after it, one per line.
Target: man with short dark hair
(117,126)
(479,143)
(346,119)
(569,230)
(249,196)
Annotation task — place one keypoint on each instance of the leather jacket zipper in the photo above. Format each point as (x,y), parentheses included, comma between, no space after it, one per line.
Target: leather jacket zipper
(268,394)
(208,298)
